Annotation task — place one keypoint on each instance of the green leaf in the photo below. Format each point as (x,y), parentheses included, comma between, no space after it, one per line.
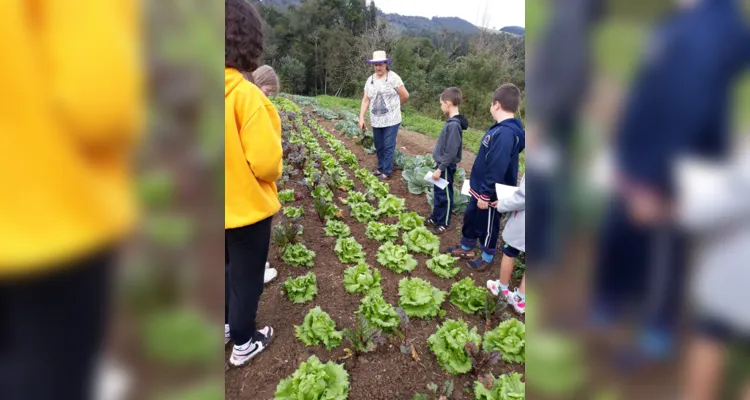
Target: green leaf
(378,312)
(410,221)
(297,255)
(448,344)
(364,212)
(362,279)
(510,338)
(302,289)
(318,327)
(419,298)
(421,240)
(286,196)
(506,387)
(382,232)
(391,206)
(354,198)
(468,297)
(442,265)
(294,212)
(337,229)
(349,251)
(315,380)
(396,258)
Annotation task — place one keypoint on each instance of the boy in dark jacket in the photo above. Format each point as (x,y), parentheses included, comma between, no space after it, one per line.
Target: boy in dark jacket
(447,154)
(496,162)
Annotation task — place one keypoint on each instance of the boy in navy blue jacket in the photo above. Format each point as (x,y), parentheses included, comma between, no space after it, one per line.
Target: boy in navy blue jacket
(496,162)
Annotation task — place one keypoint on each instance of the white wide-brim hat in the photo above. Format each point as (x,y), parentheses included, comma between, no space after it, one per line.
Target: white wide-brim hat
(379,57)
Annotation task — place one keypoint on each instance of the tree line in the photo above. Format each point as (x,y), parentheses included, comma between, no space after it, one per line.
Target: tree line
(320,47)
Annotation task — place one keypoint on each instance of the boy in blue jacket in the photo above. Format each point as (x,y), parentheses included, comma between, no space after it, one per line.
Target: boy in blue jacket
(496,162)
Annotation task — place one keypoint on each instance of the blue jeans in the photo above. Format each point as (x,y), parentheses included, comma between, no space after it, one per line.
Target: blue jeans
(385,147)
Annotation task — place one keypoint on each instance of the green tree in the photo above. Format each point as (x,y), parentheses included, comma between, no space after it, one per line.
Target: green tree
(292,74)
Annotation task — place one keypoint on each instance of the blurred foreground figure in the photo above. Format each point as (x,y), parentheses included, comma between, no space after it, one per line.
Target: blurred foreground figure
(70,114)
(678,106)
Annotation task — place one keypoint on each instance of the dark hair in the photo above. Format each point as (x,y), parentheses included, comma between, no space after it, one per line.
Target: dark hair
(452,95)
(243,36)
(509,97)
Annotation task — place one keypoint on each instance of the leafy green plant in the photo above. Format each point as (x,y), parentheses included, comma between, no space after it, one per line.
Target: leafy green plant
(349,159)
(364,212)
(179,337)
(448,344)
(363,175)
(506,387)
(302,289)
(419,299)
(378,312)
(326,210)
(362,279)
(382,232)
(510,338)
(338,229)
(490,305)
(285,233)
(297,255)
(442,265)
(354,198)
(410,221)
(315,380)
(364,338)
(396,258)
(286,196)
(349,250)
(438,393)
(468,297)
(421,240)
(414,178)
(322,192)
(391,206)
(294,212)
(318,327)
(481,360)
(378,189)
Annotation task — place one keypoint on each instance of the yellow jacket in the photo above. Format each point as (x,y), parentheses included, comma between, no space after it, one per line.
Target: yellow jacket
(70,114)
(252,158)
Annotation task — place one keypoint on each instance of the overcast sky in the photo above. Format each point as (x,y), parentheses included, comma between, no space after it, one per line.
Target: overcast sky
(499,12)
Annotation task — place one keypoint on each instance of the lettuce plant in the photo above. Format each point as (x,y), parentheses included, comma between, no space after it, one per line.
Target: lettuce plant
(418,298)
(349,251)
(315,380)
(318,327)
(382,232)
(354,198)
(338,229)
(505,387)
(362,279)
(396,258)
(294,212)
(302,289)
(378,312)
(286,196)
(391,206)
(323,192)
(442,265)
(510,338)
(364,212)
(378,188)
(448,344)
(410,221)
(468,297)
(348,158)
(421,240)
(297,255)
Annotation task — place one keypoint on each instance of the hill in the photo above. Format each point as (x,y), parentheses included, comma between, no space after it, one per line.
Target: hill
(516,30)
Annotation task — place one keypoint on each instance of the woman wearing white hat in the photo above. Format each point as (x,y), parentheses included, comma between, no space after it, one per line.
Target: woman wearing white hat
(384,95)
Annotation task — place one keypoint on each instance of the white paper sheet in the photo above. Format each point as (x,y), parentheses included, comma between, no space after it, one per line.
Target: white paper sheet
(465,188)
(441,183)
(505,191)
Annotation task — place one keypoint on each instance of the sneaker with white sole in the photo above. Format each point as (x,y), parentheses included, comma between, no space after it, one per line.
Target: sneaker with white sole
(270,275)
(517,302)
(242,354)
(494,287)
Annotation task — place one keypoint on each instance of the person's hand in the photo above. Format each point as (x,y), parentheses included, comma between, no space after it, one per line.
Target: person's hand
(483,205)
(436,174)
(362,124)
(646,209)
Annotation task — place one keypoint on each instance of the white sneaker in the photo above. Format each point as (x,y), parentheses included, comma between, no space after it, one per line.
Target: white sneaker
(270,274)
(494,287)
(227,336)
(241,355)
(518,304)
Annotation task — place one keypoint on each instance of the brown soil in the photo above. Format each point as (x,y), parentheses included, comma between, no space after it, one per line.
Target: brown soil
(387,373)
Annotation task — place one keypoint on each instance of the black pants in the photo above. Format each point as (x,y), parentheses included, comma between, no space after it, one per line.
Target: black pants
(51,331)
(443,200)
(246,251)
(481,224)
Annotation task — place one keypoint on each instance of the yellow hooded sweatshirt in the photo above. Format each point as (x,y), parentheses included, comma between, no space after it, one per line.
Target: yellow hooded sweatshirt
(70,115)
(252,158)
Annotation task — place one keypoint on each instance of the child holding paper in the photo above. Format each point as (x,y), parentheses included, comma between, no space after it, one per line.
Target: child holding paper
(496,162)
(447,154)
(514,236)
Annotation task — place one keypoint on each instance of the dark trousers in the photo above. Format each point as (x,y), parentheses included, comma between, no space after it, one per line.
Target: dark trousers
(51,331)
(246,251)
(482,225)
(442,203)
(385,147)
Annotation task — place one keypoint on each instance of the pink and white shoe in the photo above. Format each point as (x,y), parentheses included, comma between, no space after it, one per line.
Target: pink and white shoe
(518,303)
(494,287)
